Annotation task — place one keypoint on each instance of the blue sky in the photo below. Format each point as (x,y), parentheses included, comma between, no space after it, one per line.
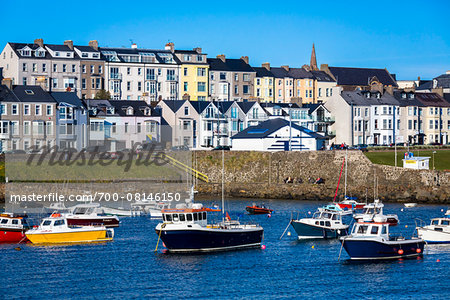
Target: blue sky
(409,38)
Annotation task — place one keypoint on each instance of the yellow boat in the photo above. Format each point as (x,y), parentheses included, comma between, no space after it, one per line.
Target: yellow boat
(54,230)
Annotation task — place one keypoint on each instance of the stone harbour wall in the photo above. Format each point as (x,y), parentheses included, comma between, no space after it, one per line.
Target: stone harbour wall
(252,174)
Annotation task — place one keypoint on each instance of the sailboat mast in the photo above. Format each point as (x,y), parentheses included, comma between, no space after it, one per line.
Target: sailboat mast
(223,181)
(345,185)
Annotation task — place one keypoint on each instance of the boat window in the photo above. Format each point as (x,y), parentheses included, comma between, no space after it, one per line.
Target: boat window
(335,217)
(182,218)
(445,222)
(4,221)
(317,222)
(195,217)
(175,217)
(326,216)
(59,222)
(378,210)
(435,222)
(46,223)
(15,222)
(169,218)
(200,216)
(189,217)
(374,230)
(327,223)
(362,229)
(384,229)
(204,215)
(321,223)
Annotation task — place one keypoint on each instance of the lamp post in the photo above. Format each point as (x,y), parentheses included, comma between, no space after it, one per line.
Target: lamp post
(434,152)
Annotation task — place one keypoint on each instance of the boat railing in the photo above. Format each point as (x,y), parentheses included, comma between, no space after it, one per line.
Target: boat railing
(396,237)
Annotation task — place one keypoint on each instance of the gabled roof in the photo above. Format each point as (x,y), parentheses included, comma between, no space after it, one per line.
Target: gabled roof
(432,99)
(266,128)
(174,105)
(6,95)
(296,73)
(199,106)
(361,76)
(246,106)
(18,46)
(32,93)
(427,85)
(67,97)
(230,64)
(443,81)
(313,107)
(223,106)
(359,98)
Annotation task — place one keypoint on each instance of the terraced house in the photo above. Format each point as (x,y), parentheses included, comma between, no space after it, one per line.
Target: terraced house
(231,79)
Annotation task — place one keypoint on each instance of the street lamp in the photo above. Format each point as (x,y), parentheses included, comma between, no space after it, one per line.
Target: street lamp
(434,152)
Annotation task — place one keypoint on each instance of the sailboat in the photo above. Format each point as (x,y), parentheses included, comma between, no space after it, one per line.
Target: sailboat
(186,228)
(348,202)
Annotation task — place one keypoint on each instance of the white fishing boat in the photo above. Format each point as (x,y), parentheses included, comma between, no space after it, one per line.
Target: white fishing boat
(120,212)
(152,208)
(447,213)
(59,207)
(411,204)
(376,208)
(89,214)
(438,232)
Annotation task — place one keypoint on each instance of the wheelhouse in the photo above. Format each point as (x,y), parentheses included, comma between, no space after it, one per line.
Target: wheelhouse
(47,223)
(373,210)
(173,216)
(370,229)
(440,222)
(9,221)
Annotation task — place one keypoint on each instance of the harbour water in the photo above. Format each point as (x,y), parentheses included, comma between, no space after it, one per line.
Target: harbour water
(288,268)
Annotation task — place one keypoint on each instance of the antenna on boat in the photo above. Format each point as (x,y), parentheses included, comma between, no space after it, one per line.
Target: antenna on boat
(345,185)
(223,176)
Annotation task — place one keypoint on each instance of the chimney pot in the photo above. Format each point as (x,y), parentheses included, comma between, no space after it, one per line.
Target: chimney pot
(170,46)
(448,72)
(245,58)
(221,57)
(39,42)
(198,50)
(266,65)
(69,44)
(93,44)
(7,82)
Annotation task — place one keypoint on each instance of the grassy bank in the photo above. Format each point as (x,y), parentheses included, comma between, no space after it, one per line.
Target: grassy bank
(441,157)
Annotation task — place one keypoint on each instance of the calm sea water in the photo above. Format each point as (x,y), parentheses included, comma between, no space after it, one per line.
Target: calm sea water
(128,267)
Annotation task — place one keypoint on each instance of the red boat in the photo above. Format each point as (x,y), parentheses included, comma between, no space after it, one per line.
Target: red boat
(12,228)
(258,210)
(350,204)
(90,214)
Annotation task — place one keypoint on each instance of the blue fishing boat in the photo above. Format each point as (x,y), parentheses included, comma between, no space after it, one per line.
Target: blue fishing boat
(370,240)
(327,222)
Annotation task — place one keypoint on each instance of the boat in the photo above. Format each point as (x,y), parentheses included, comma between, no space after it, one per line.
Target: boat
(12,228)
(370,240)
(409,205)
(351,203)
(327,222)
(438,232)
(120,212)
(258,210)
(376,208)
(59,207)
(152,208)
(56,230)
(90,214)
(186,228)
(447,213)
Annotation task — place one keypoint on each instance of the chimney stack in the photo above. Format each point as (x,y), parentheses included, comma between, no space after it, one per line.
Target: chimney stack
(170,46)
(448,72)
(93,44)
(133,46)
(7,82)
(39,42)
(286,68)
(221,57)
(245,58)
(198,50)
(69,44)
(266,65)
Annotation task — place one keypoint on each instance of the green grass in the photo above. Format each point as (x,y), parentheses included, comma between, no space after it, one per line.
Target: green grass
(441,157)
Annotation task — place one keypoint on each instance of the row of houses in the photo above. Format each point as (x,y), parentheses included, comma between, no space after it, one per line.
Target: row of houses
(31,118)
(154,75)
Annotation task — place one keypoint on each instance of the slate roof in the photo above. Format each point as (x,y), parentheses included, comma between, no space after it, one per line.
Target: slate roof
(18,46)
(174,105)
(443,81)
(408,101)
(296,73)
(138,107)
(427,85)
(245,106)
(67,97)
(361,76)
(230,64)
(223,106)
(86,49)
(64,48)
(136,51)
(6,95)
(262,72)
(36,94)
(359,98)
(432,99)
(322,76)
(264,129)
(199,106)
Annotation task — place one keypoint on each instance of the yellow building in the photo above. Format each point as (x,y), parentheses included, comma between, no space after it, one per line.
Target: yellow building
(194,70)
(264,84)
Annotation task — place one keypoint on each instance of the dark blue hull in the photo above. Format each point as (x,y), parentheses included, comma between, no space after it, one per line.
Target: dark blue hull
(363,249)
(203,240)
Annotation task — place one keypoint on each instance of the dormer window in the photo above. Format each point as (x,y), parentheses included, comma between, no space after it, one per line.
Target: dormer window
(130,111)
(368,95)
(68,54)
(56,53)
(25,52)
(199,58)
(378,95)
(187,57)
(84,54)
(39,53)
(110,110)
(147,111)
(404,95)
(411,96)
(95,55)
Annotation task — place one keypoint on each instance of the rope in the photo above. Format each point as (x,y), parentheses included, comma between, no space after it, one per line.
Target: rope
(159,235)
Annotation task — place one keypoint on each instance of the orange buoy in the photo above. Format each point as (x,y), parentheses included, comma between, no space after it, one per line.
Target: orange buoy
(418,250)
(400,251)
(438,260)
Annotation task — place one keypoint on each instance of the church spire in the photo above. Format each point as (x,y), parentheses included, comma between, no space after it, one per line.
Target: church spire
(313,62)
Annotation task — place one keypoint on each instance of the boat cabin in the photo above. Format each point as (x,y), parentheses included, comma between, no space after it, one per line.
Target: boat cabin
(184,216)
(373,210)
(53,222)
(87,209)
(440,222)
(13,222)
(370,229)
(326,218)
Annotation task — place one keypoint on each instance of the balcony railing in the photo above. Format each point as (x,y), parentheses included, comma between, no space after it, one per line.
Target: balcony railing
(258,117)
(115,76)
(324,119)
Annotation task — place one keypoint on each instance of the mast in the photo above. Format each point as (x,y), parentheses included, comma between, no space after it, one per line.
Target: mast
(345,185)
(223,177)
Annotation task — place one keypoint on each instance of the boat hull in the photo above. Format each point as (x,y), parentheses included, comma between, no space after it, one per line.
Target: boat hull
(205,240)
(306,231)
(258,210)
(433,236)
(350,206)
(108,222)
(375,250)
(69,237)
(8,236)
